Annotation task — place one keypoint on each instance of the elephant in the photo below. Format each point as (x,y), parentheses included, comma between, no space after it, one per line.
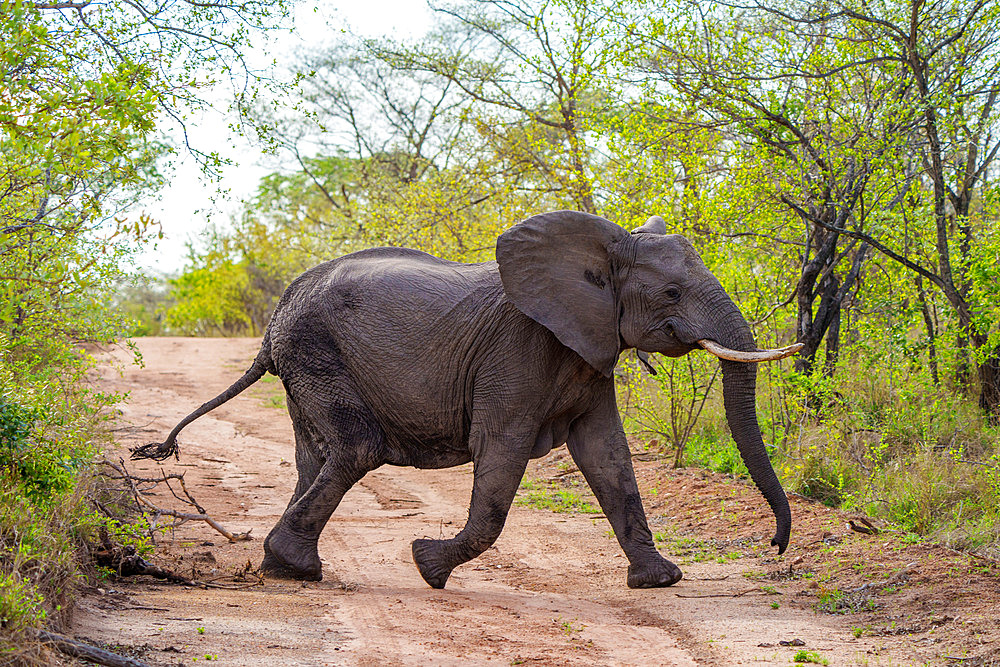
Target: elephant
(394,356)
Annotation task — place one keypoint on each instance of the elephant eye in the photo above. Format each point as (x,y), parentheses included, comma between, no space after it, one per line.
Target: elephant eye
(672,293)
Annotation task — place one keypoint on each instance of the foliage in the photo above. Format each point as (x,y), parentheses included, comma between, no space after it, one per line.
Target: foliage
(433,145)
(872,146)
(47,428)
(84,87)
(684,384)
(142,300)
(39,467)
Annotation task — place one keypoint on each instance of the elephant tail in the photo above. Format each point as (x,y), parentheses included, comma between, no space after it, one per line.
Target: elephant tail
(162,450)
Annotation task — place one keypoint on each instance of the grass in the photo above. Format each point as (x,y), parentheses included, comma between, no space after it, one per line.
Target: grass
(553,497)
(804,656)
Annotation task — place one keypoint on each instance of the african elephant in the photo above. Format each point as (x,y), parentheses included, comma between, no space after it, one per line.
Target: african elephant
(393,356)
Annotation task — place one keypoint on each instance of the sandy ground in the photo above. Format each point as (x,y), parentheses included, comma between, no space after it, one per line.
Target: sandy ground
(552,590)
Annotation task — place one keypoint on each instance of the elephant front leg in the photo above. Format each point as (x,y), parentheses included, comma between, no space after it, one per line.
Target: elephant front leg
(496,478)
(598,445)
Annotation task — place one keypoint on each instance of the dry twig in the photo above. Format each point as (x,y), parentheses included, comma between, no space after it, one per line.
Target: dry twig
(181,517)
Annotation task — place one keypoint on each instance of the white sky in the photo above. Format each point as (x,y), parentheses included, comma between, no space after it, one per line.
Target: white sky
(185,207)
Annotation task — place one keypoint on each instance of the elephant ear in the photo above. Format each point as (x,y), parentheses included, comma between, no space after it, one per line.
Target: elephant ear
(556,270)
(655,225)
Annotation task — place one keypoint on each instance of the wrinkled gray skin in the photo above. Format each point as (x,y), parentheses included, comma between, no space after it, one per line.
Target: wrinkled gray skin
(392,356)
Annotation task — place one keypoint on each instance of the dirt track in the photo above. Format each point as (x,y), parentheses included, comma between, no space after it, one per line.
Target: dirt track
(551,592)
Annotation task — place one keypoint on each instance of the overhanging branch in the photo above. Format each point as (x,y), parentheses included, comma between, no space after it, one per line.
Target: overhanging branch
(861,236)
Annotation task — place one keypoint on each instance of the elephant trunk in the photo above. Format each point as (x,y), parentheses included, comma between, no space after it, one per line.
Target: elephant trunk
(739,383)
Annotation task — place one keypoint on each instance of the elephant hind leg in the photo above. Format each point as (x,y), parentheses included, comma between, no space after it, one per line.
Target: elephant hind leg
(291,549)
(338,441)
(308,460)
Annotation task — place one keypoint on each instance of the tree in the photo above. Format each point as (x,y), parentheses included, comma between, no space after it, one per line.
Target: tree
(535,71)
(78,108)
(74,152)
(875,122)
(796,113)
(946,57)
(83,89)
(383,155)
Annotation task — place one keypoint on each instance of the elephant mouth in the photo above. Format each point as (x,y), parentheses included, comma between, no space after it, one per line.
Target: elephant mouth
(679,334)
(755,356)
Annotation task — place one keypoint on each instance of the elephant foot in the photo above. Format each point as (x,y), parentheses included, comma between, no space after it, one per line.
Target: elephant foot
(426,554)
(290,562)
(653,574)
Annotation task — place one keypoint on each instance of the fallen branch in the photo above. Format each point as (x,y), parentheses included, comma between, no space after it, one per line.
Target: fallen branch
(127,562)
(186,516)
(720,595)
(79,649)
(181,517)
(863,526)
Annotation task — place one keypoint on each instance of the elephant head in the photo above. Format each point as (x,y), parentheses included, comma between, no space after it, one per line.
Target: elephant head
(601,290)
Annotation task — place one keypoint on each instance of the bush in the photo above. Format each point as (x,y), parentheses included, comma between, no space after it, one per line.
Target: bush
(712,447)
(37,565)
(38,465)
(873,439)
(51,427)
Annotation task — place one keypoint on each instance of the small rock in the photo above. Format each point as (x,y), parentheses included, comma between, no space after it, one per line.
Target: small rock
(791,642)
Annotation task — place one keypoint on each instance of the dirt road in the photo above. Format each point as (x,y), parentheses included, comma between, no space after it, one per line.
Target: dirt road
(551,592)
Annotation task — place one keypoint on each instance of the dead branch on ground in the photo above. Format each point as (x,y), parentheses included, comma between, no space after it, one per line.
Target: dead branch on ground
(85,651)
(180,518)
(126,561)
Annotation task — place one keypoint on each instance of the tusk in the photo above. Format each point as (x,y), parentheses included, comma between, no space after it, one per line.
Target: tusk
(760,355)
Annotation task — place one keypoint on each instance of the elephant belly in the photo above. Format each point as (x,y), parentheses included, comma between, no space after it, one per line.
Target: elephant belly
(550,436)
(428,452)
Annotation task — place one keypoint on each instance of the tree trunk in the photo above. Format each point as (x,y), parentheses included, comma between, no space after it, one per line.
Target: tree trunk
(832,342)
(963,365)
(989,386)
(818,279)
(931,332)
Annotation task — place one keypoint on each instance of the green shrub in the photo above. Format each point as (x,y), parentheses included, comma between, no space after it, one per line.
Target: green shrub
(37,562)
(51,425)
(933,493)
(41,467)
(712,447)
(878,437)
(822,478)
